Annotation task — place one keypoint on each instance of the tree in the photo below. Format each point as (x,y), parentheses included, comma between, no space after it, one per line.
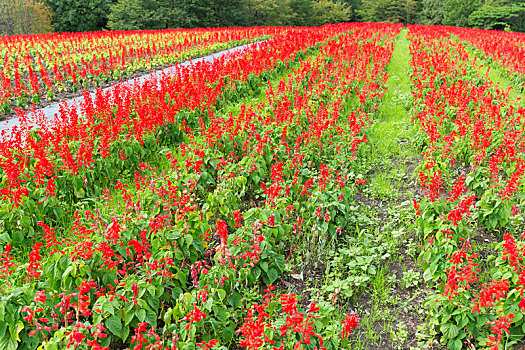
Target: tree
(229,13)
(388,11)
(198,13)
(145,14)
(212,13)
(302,11)
(432,12)
(80,16)
(24,17)
(126,15)
(497,16)
(267,12)
(457,12)
(326,11)
(353,5)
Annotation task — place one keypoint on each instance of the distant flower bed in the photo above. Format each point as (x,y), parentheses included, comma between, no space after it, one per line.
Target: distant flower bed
(40,68)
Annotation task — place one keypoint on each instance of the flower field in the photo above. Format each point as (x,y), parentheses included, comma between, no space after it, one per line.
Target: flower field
(39,69)
(353,186)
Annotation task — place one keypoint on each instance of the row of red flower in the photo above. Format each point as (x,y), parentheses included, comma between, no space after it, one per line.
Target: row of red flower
(505,48)
(472,176)
(42,66)
(31,159)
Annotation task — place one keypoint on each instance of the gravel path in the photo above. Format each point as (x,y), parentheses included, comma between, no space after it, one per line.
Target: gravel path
(50,111)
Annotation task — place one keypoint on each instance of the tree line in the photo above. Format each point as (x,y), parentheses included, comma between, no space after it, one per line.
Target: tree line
(484,14)
(39,16)
(24,17)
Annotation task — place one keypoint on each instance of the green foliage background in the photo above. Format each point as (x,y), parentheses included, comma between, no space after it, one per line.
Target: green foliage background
(24,17)
(91,15)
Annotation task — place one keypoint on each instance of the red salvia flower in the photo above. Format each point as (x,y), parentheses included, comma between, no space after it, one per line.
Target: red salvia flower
(349,323)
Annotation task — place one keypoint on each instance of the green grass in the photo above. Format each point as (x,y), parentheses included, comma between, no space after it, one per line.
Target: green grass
(393,128)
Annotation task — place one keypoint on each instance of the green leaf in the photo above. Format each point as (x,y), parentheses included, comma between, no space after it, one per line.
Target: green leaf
(227,334)
(143,304)
(8,344)
(280,262)
(427,275)
(481,320)
(141,314)
(151,318)
(464,320)
(129,317)
(220,313)
(125,333)
(449,330)
(151,290)
(181,277)
(68,270)
(15,331)
(3,328)
(189,240)
(222,293)
(272,275)
(189,346)
(197,244)
(235,300)
(114,324)
(214,324)
(154,303)
(26,221)
(176,292)
(455,344)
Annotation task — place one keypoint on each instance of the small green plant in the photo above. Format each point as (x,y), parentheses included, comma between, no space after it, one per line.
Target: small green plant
(399,336)
(6,108)
(50,95)
(410,279)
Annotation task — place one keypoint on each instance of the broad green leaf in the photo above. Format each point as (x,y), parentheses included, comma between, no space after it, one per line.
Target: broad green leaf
(455,344)
(427,275)
(114,324)
(220,313)
(280,262)
(235,300)
(15,331)
(151,318)
(8,343)
(125,333)
(222,293)
(129,317)
(154,302)
(3,329)
(227,334)
(272,275)
(141,314)
(449,330)
(167,316)
(181,277)
(189,240)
